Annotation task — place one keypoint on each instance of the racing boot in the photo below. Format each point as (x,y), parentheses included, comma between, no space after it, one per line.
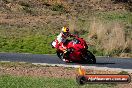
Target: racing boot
(66,60)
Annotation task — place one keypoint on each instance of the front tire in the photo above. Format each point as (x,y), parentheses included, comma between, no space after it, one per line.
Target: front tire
(59,54)
(62,57)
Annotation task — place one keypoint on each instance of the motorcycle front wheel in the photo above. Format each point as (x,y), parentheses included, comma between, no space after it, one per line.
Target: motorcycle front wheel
(59,54)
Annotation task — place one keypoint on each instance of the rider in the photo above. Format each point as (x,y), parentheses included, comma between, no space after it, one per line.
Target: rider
(62,37)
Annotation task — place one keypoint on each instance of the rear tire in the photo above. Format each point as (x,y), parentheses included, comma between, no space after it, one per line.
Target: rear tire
(90,58)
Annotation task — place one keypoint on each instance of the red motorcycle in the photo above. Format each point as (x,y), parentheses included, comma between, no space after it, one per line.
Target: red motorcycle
(77,51)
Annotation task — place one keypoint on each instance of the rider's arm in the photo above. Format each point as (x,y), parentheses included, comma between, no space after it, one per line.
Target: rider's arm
(72,35)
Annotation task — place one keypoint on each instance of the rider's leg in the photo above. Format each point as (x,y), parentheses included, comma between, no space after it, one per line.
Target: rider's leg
(64,49)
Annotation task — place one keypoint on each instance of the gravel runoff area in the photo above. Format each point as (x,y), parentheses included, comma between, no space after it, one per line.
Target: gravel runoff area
(50,71)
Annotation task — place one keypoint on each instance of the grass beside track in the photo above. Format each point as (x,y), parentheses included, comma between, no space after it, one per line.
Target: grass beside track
(7,81)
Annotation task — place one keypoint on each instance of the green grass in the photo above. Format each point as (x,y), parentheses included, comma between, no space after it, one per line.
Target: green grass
(30,44)
(58,7)
(115,16)
(7,81)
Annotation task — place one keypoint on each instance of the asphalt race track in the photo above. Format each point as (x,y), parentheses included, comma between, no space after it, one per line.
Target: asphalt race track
(105,63)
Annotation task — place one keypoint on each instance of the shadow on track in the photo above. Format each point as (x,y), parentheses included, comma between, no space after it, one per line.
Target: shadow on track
(104,63)
(83,63)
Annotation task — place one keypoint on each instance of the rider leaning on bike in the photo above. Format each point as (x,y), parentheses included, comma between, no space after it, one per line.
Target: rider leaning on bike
(61,39)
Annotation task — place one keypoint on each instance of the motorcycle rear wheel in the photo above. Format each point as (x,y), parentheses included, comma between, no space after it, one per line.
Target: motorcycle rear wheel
(90,58)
